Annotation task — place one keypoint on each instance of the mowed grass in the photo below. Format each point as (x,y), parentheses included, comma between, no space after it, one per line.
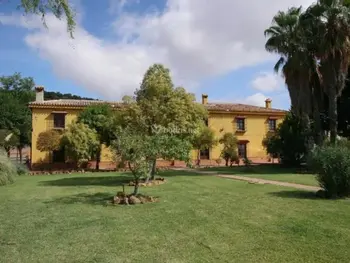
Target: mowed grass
(199,219)
(269,172)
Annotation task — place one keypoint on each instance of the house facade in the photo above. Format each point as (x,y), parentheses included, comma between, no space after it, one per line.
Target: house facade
(249,123)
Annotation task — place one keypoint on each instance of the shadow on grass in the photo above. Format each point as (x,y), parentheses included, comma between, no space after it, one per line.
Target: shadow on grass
(92,199)
(88,180)
(171,173)
(258,169)
(297,194)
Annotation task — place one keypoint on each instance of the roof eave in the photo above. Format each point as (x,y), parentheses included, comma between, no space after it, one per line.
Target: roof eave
(248,112)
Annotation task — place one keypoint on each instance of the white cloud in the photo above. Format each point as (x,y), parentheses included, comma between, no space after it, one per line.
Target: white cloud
(257,99)
(266,82)
(195,41)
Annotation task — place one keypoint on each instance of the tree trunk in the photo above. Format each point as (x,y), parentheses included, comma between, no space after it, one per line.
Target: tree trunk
(8,153)
(199,157)
(137,181)
(226,161)
(98,159)
(149,175)
(309,139)
(136,186)
(154,169)
(20,154)
(318,137)
(333,114)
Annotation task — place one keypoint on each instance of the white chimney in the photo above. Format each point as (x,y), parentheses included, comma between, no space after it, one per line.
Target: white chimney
(39,90)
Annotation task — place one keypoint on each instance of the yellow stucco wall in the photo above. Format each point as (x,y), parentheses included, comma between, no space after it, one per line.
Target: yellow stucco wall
(42,120)
(256,128)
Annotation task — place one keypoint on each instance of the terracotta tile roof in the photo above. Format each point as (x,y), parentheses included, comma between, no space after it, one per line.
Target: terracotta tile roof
(220,107)
(71,103)
(234,107)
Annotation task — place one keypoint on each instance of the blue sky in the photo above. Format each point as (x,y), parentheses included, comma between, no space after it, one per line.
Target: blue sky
(217,48)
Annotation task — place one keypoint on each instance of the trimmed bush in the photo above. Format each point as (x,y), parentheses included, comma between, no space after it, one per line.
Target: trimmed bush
(332,166)
(8,170)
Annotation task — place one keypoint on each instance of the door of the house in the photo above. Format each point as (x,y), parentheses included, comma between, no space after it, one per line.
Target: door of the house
(242,150)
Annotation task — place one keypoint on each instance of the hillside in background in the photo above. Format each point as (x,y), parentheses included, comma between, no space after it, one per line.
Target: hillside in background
(52,95)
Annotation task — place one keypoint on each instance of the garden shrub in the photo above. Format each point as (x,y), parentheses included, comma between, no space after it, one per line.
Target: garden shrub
(331,163)
(8,170)
(21,169)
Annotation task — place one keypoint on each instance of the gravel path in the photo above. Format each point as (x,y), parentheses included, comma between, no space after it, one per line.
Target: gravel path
(255,180)
(263,181)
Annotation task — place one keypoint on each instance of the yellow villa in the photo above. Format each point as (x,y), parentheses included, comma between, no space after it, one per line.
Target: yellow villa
(249,123)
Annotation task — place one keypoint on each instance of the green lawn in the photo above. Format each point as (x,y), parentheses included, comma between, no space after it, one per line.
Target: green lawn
(198,219)
(269,172)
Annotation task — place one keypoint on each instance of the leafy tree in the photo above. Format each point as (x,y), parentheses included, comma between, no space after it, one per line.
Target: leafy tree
(272,144)
(99,118)
(135,148)
(289,141)
(15,94)
(8,140)
(57,7)
(158,107)
(49,141)
(202,140)
(229,151)
(80,142)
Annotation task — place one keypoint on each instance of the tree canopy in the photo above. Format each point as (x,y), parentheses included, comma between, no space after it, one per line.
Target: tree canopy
(49,141)
(80,142)
(229,151)
(57,7)
(99,118)
(161,110)
(203,139)
(15,94)
(314,46)
(289,141)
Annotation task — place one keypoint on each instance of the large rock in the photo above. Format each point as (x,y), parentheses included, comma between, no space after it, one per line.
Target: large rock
(133,200)
(116,200)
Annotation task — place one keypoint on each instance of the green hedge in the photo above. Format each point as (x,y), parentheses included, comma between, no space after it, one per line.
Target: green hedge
(331,163)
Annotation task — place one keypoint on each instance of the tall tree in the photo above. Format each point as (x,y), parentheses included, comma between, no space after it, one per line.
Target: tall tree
(160,107)
(289,38)
(15,94)
(99,118)
(332,45)
(315,47)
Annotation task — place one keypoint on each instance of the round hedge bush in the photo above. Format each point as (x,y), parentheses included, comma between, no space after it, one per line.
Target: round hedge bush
(331,163)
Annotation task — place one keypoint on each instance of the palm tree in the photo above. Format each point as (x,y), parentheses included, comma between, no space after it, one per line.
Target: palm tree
(331,43)
(288,38)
